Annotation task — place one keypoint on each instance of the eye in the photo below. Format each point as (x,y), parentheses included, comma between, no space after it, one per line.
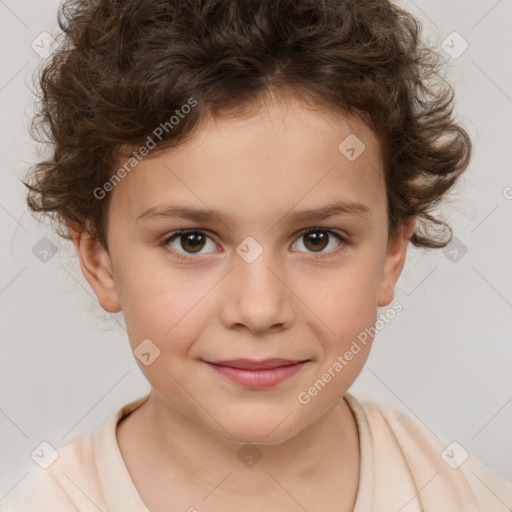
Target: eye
(186,244)
(317,239)
(191,242)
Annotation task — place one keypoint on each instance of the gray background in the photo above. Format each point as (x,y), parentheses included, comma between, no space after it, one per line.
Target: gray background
(66,366)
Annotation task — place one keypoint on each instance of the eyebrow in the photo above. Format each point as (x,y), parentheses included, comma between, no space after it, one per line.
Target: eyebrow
(291,217)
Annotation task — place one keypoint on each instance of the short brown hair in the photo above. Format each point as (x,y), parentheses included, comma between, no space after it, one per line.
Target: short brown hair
(125,67)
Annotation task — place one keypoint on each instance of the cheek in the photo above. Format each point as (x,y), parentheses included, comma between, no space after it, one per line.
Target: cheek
(346,304)
(168,308)
(347,298)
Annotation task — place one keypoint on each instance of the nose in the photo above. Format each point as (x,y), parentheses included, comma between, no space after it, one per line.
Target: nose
(256,298)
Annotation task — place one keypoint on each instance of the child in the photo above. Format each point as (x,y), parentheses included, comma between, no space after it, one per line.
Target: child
(297,146)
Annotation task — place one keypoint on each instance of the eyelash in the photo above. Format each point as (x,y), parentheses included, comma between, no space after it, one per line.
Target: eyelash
(180,256)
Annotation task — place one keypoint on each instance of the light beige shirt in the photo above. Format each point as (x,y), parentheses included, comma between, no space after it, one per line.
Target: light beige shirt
(404,467)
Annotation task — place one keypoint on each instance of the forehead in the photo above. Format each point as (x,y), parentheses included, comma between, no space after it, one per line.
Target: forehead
(285,154)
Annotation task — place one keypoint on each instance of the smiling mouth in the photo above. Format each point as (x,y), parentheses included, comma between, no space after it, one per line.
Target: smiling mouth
(257,374)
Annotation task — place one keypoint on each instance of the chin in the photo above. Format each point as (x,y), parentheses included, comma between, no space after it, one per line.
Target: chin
(254,429)
(256,437)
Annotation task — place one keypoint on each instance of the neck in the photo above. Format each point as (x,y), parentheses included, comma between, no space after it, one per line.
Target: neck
(182,449)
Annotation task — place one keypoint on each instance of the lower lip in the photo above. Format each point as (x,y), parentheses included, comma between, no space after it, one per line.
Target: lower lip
(258,378)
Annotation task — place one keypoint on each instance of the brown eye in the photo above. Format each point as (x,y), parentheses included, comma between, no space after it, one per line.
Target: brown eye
(188,242)
(192,242)
(316,240)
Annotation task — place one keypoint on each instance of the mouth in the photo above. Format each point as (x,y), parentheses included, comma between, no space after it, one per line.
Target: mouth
(257,374)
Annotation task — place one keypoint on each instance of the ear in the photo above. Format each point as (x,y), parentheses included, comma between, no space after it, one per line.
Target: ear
(394,263)
(96,266)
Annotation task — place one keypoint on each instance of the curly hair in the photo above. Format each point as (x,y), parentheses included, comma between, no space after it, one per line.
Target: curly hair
(125,67)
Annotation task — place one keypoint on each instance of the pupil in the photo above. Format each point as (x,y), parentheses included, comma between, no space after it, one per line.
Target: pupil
(189,239)
(317,238)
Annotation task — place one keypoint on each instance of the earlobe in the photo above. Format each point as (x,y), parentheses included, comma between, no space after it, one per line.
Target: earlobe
(96,266)
(394,263)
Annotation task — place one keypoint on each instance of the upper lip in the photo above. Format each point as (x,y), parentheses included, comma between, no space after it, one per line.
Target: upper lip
(252,364)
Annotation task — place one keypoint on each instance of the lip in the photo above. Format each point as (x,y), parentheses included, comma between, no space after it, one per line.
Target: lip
(257,374)
(253,364)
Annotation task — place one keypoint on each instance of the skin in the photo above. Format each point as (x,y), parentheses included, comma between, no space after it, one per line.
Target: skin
(217,306)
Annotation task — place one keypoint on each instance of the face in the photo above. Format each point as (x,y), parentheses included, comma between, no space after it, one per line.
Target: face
(257,273)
